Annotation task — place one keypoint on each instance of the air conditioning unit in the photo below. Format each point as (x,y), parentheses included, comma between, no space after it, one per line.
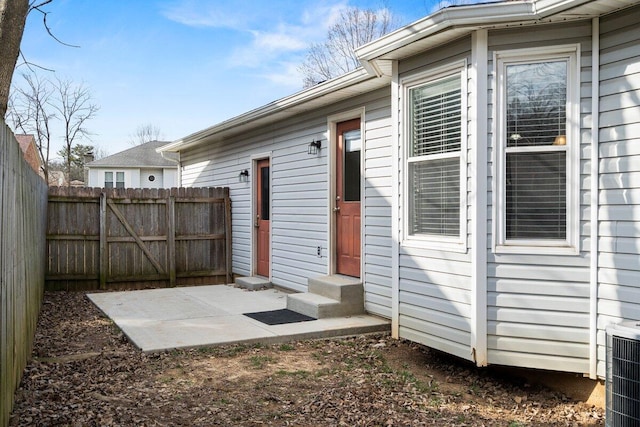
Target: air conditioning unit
(623,375)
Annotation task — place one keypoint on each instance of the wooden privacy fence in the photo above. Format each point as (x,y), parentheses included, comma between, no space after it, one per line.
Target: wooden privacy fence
(135,238)
(23,207)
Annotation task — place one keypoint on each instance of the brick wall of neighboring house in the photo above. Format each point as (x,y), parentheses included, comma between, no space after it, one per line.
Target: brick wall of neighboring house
(30,152)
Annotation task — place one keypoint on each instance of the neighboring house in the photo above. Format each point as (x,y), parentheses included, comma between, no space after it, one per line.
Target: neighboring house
(30,152)
(57,179)
(138,167)
(480,174)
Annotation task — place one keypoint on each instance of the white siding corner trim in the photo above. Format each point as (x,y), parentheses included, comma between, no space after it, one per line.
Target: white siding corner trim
(593,250)
(395,212)
(478,119)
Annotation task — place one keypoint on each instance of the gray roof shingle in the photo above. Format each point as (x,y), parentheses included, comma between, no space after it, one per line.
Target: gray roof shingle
(143,155)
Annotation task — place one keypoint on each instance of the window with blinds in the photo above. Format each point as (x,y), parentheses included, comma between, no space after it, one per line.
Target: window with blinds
(435,132)
(536,151)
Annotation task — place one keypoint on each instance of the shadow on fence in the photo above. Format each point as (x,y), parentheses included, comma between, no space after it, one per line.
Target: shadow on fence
(137,238)
(23,206)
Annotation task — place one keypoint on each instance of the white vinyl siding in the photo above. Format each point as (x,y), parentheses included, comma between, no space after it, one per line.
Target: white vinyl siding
(619,183)
(299,221)
(377,206)
(152,178)
(298,197)
(435,274)
(538,303)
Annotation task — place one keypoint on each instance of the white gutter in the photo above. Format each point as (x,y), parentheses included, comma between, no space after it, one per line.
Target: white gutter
(469,17)
(176,161)
(485,14)
(595,172)
(302,98)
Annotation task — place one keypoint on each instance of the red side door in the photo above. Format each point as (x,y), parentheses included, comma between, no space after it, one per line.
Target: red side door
(347,208)
(262,223)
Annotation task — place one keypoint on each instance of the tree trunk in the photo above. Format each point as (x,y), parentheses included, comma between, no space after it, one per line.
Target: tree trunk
(13,14)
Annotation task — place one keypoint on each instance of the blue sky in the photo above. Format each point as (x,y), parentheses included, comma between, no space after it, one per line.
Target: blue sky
(183,65)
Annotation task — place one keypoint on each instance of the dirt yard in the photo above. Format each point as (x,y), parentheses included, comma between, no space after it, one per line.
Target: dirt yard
(85,373)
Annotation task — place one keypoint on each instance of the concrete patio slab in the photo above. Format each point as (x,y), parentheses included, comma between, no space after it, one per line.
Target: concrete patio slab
(160,319)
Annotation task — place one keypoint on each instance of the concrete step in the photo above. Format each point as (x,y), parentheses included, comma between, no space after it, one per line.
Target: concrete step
(340,288)
(253,283)
(329,296)
(320,307)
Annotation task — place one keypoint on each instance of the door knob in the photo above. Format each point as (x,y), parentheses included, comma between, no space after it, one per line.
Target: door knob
(336,209)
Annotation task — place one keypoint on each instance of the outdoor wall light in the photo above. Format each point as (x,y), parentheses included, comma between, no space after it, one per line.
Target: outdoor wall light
(244,176)
(314,147)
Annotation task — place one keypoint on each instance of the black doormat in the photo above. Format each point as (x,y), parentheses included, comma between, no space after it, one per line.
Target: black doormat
(279,317)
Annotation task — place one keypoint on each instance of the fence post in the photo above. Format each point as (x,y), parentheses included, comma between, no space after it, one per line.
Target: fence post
(171,239)
(104,267)
(227,222)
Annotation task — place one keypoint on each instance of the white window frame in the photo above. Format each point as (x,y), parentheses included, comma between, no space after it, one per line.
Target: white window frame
(449,243)
(569,245)
(115,178)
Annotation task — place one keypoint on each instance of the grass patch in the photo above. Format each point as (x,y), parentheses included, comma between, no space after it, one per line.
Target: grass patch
(299,374)
(259,361)
(286,347)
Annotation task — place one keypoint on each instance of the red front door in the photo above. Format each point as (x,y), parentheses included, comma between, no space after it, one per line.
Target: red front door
(262,223)
(348,198)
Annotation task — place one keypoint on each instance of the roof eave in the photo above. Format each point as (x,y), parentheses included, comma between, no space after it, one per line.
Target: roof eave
(89,166)
(350,79)
(472,15)
(468,18)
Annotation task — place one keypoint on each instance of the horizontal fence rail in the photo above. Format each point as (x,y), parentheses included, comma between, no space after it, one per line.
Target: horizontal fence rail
(136,238)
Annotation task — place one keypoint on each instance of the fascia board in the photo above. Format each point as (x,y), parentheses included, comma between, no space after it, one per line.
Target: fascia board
(113,167)
(545,8)
(476,15)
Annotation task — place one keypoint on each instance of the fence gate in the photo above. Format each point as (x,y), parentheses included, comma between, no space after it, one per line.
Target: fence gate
(135,238)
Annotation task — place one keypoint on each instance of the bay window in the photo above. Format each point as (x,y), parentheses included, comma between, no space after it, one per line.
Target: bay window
(536,150)
(434,162)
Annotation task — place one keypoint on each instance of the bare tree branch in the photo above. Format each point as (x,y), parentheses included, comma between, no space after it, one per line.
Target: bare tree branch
(145,133)
(75,107)
(31,112)
(31,64)
(38,8)
(335,56)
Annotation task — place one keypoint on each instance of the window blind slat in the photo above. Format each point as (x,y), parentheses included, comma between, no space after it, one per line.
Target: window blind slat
(435,190)
(536,195)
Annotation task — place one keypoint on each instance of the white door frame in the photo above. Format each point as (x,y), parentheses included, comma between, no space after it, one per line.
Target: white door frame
(255,158)
(332,122)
